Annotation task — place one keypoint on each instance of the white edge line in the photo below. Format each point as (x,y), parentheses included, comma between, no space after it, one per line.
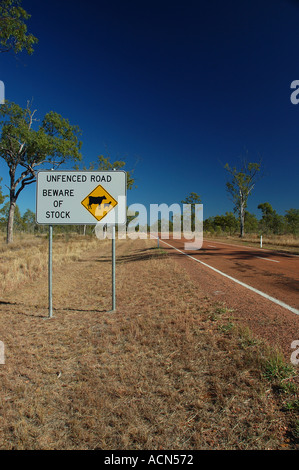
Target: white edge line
(287,253)
(274,260)
(272,299)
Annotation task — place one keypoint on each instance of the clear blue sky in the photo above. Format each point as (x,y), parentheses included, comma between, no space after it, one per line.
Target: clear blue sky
(176,88)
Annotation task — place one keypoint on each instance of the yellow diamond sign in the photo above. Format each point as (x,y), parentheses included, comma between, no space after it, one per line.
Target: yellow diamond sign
(99,202)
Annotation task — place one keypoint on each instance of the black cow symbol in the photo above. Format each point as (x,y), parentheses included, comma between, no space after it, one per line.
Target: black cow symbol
(95,200)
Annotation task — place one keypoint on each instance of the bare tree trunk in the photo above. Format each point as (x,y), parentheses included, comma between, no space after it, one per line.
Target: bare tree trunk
(10,221)
(242,222)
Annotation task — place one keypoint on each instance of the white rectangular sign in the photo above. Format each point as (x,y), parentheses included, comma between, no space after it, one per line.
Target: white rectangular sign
(81,197)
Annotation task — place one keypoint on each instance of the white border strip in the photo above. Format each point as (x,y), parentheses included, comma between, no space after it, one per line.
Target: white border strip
(250,247)
(267,259)
(272,299)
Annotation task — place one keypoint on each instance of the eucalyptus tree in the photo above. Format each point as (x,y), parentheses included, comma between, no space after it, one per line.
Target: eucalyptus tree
(27,146)
(103,163)
(13,29)
(241,184)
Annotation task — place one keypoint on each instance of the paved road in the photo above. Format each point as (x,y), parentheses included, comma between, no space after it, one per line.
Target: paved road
(274,273)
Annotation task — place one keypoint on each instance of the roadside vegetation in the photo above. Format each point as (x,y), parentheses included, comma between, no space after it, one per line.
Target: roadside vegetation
(279,232)
(26,259)
(271,223)
(168,370)
(287,243)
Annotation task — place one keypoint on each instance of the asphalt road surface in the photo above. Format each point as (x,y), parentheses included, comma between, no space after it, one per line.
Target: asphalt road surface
(274,273)
(261,286)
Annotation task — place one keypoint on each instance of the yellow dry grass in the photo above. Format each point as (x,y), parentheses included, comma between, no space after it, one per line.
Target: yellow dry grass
(27,257)
(165,371)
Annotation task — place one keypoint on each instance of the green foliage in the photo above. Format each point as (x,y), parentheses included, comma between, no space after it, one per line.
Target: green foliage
(271,221)
(28,220)
(193,198)
(24,148)
(227,223)
(292,405)
(104,164)
(251,223)
(25,223)
(4,211)
(292,221)
(55,141)
(275,368)
(13,29)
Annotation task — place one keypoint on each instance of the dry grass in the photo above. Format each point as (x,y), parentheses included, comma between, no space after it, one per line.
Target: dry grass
(168,370)
(27,257)
(289,243)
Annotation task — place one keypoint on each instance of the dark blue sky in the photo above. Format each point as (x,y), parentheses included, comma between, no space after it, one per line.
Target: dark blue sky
(176,88)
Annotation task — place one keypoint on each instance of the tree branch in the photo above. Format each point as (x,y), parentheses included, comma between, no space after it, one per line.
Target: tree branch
(23,175)
(25,182)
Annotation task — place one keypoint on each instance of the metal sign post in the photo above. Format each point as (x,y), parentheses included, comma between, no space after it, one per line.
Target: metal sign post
(113,269)
(81,198)
(50,271)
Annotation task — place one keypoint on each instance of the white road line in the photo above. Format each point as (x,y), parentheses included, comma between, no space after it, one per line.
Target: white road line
(255,248)
(267,259)
(272,299)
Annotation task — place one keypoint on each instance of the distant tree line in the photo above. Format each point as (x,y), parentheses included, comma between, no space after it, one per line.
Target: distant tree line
(270,223)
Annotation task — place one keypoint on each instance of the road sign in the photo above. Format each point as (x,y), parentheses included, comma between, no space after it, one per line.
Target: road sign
(99,202)
(81,197)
